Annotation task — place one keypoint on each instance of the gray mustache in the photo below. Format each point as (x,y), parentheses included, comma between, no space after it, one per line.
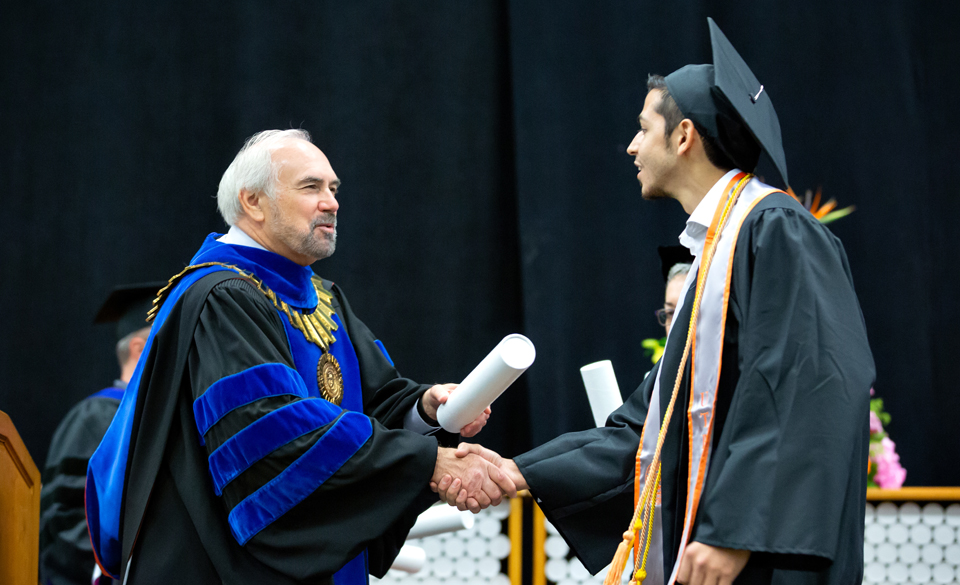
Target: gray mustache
(328,218)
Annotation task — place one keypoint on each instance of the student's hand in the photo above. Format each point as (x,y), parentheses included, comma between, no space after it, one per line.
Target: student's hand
(703,564)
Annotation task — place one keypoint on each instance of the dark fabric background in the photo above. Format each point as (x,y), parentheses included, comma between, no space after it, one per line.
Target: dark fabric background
(485,185)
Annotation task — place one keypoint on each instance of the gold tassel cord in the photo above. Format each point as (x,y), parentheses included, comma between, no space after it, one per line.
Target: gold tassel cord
(651,482)
(640,566)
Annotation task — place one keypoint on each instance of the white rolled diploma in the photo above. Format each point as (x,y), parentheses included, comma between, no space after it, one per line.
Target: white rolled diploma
(440,519)
(502,366)
(602,390)
(410,560)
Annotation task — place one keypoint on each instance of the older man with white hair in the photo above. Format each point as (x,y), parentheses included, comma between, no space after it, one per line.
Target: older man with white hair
(266,436)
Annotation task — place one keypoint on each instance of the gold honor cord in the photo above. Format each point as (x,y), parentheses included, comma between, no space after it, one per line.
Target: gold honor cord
(317,327)
(641,525)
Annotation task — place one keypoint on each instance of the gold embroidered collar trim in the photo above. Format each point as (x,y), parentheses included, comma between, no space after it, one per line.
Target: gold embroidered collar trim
(317,327)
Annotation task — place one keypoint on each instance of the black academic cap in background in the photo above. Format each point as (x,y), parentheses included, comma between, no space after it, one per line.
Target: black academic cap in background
(730,105)
(670,256)
(127,306)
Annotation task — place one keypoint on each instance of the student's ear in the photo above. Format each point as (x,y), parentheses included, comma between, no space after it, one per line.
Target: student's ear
(685,134)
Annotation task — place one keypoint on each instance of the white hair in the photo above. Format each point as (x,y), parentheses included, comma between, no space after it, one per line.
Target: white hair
(253,169)
(678,270)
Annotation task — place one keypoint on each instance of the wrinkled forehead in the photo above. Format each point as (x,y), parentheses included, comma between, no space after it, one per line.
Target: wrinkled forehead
(296,158)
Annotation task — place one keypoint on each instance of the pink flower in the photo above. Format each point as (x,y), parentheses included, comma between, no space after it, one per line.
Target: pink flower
(871,391)
(875,425)
(890,474)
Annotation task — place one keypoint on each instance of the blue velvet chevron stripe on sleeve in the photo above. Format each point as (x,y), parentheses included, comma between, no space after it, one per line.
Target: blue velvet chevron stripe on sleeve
(244,388)
(334,448)
(266,435)
(340,434)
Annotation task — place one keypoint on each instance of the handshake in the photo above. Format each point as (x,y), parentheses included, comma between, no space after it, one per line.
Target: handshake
(472,477)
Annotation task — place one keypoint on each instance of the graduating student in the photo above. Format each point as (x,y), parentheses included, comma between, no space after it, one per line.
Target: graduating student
(266,436)
(761,475)
(65,553)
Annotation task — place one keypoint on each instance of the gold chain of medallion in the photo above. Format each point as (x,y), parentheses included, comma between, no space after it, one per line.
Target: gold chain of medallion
(317,327)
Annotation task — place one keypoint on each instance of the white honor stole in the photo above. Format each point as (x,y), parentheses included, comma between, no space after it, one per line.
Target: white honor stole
(706,352)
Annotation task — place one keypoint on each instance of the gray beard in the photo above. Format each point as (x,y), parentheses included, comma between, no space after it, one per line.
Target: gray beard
(310,243)
(318,246)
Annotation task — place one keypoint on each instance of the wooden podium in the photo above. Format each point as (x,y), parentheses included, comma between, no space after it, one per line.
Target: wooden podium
(19,509)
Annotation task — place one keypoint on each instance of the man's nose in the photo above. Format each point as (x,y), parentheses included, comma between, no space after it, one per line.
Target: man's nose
(632,148)
(329,203)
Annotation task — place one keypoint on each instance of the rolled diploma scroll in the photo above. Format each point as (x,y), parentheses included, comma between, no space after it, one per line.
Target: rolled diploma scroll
(502,366)
(602,390)
(411,559)
(440,519)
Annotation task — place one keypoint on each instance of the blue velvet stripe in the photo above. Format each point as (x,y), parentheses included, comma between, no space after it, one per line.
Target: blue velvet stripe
(305,357)
(266,435)
(107,470)
(301,478)
(383,350)
(355,572)
(342,349)
(243,388)
(285,277)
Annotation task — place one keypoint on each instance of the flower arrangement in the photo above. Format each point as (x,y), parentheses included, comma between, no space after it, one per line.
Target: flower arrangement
(825,213)
(884,469)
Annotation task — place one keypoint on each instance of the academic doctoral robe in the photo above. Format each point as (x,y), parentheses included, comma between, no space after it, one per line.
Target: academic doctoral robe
(787,479)
(65,554)
(235,469)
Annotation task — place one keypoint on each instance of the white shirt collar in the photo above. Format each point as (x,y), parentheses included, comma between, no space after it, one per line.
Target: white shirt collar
(238,237)
(694,237)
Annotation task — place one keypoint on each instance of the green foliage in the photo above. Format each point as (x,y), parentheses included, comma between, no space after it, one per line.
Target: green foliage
(876,405)
(653,348)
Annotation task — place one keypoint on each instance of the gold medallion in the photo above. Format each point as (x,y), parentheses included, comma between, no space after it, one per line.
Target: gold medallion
(329,378)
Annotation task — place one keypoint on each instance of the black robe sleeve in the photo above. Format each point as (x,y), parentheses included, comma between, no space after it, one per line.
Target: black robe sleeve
(788,475)
(584,481)
(387,396)
(65,553)
(368,502)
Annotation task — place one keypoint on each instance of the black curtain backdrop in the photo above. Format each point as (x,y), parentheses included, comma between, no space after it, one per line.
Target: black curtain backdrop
(485,185)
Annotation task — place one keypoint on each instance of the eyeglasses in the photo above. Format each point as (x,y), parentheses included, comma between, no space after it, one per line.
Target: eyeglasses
(663,315)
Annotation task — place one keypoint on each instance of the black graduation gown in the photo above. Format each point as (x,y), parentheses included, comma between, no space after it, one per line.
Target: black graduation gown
(787,479)
(66,557)
(369,503)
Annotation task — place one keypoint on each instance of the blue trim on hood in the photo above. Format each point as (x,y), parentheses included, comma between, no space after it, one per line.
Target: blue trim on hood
(285,277)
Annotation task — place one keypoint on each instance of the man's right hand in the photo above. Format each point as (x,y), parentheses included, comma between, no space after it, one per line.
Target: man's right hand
(473,481)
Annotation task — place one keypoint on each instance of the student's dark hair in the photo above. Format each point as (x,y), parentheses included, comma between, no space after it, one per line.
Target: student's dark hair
(672,116)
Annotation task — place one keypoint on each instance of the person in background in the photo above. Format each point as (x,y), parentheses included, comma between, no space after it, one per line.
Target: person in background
(65,554)
(675,262)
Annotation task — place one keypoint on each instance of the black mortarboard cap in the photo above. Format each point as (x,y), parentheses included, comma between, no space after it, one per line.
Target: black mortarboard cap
(730,105)
(127,306)
(670,256)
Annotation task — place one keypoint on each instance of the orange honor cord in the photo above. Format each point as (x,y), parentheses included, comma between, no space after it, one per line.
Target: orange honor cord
(651,484)
(705,449)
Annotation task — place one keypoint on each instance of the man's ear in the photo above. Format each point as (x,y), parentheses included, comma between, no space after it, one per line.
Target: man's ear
(136,347)
(685,135)
(252,204)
